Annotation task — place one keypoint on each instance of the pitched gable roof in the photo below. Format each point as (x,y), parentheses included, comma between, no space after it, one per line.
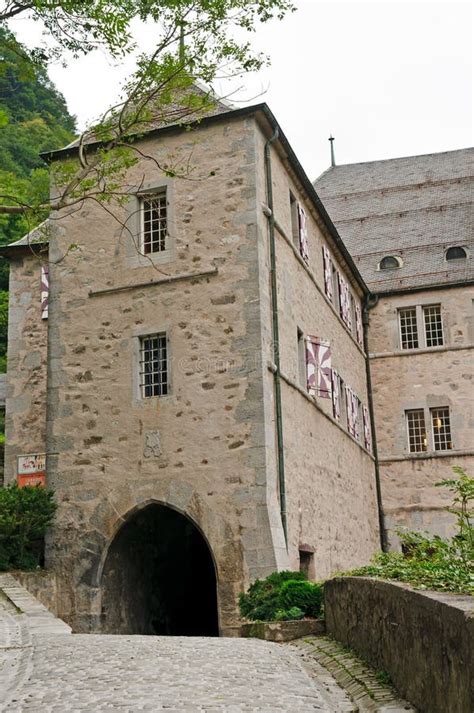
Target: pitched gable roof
(414,207)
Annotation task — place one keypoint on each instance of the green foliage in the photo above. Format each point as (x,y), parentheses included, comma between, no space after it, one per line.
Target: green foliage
(33,118)
(25,515)
(430,562)
(281,596)
(294,613)
(305,595)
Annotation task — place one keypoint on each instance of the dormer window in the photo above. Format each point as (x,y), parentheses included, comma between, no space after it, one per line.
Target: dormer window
(456,253)
(390,262)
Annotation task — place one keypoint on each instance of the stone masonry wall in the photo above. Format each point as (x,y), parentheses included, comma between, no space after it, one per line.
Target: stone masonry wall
(25,422)
(423,640)
(200,449)
(330,477)
(427,378)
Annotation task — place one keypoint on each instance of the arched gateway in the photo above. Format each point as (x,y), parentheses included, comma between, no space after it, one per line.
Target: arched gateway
(159,577)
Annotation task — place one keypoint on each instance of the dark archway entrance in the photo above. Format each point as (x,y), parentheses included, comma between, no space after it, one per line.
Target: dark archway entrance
(159,577)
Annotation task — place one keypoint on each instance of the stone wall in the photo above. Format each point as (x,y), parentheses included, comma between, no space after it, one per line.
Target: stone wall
(423,640)
(199,449)
(25,421)
(423,378)
(330,476)
(42,584)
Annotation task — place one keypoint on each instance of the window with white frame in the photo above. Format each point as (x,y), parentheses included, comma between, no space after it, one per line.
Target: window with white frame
(421,327)
(408,328)
(154,376)
(441,426)
(416,427)
(154,223)
(433,325)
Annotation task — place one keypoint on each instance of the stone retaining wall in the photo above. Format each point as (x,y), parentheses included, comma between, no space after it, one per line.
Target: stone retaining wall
(423,640)
(42,584)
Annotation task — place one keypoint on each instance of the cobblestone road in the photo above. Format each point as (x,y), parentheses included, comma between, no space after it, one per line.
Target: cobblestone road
(134,673)
(45,669)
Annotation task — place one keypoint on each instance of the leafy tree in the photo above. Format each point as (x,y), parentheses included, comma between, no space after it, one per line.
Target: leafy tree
(33,118)
(25,515)
(195,40)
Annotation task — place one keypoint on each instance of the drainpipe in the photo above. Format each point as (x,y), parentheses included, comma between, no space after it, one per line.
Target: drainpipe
(369,303)
(276,336)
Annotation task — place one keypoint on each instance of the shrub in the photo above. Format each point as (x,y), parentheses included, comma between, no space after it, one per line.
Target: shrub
(25,514)
(306,596)
(281,597)
(289,615)
(430,562)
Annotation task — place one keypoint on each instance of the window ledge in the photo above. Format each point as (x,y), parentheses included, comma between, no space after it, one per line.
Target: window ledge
(425,350)
(151,283)
(428,455)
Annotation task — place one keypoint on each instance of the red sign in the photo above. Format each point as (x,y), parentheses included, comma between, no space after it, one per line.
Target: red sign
(31,479)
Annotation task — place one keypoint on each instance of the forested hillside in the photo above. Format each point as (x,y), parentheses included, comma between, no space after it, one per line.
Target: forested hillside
(33,118)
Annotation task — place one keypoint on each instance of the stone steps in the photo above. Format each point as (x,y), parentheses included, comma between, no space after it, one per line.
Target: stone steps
(367,689)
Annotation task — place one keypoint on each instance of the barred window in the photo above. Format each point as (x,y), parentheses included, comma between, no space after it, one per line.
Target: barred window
(408,328)
(441,429)
(417,438)
(154,223)
(433,325)
(153,365)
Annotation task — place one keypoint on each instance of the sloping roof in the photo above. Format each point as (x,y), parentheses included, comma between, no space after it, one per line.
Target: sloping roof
(414,207)
(176,112)
(36,240)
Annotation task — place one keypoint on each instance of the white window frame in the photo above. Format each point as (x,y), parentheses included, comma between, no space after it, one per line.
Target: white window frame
(420,326)
(153,195)
(432,410)
(423,309)
(429,430)
(141,385)
(400,336)
(407,428)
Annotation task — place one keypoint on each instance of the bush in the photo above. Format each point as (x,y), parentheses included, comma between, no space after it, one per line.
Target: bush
(306,596)
(281,596)
(430,562)
(25,515)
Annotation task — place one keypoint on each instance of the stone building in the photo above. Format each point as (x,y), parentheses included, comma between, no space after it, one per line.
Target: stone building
(196,375)
(408,225)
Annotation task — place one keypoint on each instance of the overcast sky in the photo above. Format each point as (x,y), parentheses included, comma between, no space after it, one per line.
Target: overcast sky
(385,78)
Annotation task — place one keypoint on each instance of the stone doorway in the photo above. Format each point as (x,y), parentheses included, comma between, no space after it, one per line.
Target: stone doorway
(159,577)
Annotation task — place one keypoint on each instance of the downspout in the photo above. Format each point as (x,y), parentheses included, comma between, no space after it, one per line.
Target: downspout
(276,335)
(369,303)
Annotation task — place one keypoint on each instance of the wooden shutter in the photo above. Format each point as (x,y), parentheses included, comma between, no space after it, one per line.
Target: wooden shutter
(350,422)
(358,315)
(311,364)
(367,429)
(318,367)
(44,291)
(355,411)
(303,233)
(327,263)
(342,295)
(324,370)
(336,397)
